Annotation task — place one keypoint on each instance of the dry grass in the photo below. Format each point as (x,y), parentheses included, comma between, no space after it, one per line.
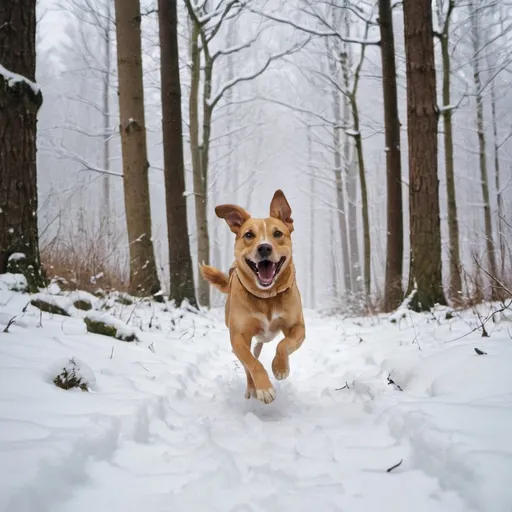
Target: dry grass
(85,264)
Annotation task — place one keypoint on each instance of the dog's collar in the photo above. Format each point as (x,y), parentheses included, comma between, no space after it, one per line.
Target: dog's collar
(266,294)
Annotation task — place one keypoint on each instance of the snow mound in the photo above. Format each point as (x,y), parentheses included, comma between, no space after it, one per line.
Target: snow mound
(13,282)
(71,373)
(108,325)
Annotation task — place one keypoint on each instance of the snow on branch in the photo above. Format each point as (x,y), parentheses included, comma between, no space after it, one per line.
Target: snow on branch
(245,78)
(14,78)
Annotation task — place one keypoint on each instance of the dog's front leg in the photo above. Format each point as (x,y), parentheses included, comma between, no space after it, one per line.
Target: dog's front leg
(294,336)
(258,383)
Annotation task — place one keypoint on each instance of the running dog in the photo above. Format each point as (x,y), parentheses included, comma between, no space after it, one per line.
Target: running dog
(263,297)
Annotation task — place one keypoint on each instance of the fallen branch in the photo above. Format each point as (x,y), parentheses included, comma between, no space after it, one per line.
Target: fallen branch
(392,382)
(395,466)
(9,323)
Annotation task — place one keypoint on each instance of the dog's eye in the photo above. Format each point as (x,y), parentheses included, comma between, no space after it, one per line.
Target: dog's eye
(278,234)
(249,235)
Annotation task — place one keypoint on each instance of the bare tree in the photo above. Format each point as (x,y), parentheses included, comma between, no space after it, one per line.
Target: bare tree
(425,274)
(143,272)
(444,14)
(393,292)
(475,14)
(20,100)
(205,24)
(180,261)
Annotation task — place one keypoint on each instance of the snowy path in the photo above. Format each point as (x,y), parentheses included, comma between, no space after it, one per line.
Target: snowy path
(171,430)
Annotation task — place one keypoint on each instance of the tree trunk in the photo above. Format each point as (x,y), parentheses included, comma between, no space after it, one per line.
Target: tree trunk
(393,292)
(20,100)
(453,223)
(364,199)
(180,260)
(143,273)
(312,218)
(489,240)
(497,178)
(105,218)
(350,167)
(198,163)
(351,180)
(425,272)
(340,194)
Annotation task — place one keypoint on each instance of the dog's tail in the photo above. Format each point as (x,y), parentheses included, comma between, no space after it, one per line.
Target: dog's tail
(215,277)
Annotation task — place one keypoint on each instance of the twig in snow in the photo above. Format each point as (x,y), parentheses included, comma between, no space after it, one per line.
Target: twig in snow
(395,466)
(480,352)
(112,352)
(9,323)
(346,386)
(151,347)
(391,381)
(143,366)
(485,320)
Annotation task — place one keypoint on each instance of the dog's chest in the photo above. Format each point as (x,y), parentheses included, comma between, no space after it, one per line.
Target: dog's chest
(269,327)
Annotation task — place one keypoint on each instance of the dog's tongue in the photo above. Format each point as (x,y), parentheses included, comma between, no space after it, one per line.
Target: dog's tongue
(266,271)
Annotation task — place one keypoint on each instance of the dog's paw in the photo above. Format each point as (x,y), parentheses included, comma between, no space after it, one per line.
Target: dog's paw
(250,393)
(280,368)
(266,395)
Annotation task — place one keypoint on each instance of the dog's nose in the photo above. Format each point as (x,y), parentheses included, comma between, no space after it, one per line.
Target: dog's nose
(264,250)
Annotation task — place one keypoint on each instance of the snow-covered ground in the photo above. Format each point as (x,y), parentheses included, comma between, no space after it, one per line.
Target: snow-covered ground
(166,426)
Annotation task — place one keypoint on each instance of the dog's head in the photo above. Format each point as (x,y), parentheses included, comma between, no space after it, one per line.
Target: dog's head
(263,247)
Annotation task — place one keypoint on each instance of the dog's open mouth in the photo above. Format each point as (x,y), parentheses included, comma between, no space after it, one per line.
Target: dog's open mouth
(266,270)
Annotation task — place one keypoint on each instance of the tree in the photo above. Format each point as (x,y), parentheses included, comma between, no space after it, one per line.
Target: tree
(205,23)
(20,100)
(180,261)
(482,144)
(393,292)
(425,274)
(444,18)
(143,273)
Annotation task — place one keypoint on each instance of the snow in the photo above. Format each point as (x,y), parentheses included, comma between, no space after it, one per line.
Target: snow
(124,331)
(166,426)
(16,256)
(14,78)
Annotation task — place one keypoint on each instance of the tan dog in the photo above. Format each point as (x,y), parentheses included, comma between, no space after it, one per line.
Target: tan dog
(263,297)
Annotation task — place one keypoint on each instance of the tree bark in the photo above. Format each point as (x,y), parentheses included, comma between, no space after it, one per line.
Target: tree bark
(425,274)
(453,223)
(20,100)
(180,260)
(393,292)
(143,273)
(489,239)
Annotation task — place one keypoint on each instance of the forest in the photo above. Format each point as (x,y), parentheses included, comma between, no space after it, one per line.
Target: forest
(308,96)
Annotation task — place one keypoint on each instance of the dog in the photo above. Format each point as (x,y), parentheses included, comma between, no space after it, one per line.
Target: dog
(263,297)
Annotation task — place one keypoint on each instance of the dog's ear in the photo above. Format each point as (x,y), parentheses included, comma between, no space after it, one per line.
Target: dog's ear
(280,209)
(234,215)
